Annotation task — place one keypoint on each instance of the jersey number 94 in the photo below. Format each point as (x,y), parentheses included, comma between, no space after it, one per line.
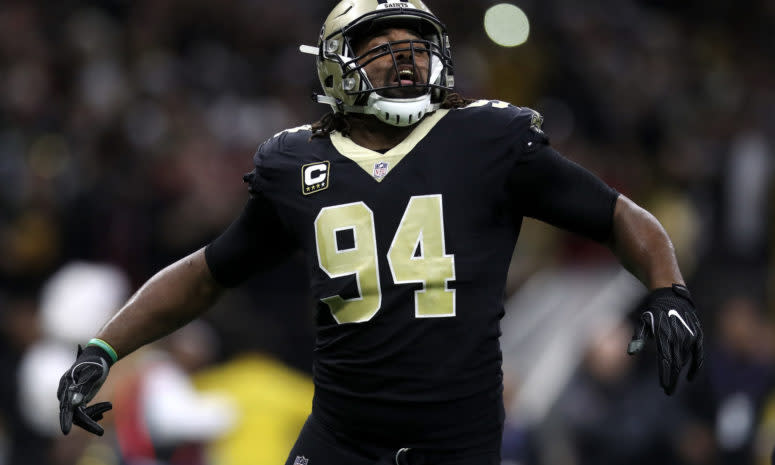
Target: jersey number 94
(416,255)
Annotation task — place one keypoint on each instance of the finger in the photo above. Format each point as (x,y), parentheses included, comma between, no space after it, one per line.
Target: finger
(71,399)
(664,374)
(95,411)
(677,357)
(638,339)
(698,356)
(639,335)
(83,420)
(62,385)
(697,361)
(666,363)
(65,416)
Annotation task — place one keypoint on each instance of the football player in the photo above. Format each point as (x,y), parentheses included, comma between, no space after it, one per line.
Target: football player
(407,200)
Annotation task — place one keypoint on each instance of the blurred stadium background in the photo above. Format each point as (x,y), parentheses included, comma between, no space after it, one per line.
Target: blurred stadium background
(125,127)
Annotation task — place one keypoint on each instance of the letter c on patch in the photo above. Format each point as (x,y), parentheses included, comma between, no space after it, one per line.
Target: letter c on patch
(315,173)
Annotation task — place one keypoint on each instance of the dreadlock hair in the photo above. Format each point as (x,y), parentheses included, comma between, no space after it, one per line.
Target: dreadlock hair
(335,121)
(330,122)
(455,100)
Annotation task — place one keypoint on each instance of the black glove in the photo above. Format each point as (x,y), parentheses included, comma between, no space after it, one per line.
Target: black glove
(79,385)
(669,317)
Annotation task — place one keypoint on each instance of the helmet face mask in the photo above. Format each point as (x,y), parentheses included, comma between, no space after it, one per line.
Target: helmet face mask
(417,68)
(419,80)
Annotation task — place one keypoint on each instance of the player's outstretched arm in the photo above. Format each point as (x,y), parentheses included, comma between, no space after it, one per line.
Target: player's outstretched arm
(167,301)
(643,246)
(170,299)
(667,315)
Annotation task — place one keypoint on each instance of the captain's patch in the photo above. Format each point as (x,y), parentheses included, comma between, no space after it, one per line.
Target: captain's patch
(315,177)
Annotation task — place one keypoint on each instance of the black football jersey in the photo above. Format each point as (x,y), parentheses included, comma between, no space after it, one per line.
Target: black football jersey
(407,253)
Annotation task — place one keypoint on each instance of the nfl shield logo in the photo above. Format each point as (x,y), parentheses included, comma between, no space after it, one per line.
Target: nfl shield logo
(301,460)
(380,169)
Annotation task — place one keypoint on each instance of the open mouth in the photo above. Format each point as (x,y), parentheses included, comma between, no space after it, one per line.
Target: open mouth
(406,84)
(406,77)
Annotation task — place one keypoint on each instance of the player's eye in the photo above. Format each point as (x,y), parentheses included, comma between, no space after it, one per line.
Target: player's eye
(421,50)
(378,51)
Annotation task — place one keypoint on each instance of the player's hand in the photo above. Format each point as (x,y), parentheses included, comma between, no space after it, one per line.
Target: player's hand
(78,386)
(668,316)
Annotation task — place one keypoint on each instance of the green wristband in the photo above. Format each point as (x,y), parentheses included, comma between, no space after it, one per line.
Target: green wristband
(104,346)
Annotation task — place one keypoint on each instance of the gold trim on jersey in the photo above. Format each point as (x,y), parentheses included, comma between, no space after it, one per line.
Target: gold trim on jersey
(367,159)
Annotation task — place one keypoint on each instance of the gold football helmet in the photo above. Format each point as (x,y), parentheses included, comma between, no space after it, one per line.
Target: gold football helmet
(345,84)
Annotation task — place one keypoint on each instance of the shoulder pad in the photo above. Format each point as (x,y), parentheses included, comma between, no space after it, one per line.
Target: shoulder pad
(492,103)
(281,140)
(306,127)
(501,110)
(522,122)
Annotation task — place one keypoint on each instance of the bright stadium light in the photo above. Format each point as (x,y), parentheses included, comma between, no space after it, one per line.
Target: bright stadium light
(506,25)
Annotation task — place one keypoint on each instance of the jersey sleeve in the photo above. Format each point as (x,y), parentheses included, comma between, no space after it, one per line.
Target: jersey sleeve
(256,241)
(546,186)
(272,160)
(256,179)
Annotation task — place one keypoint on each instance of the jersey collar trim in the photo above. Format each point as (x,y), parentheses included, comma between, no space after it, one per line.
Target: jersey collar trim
(368,159)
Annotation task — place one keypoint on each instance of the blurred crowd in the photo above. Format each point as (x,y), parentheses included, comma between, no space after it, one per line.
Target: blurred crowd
(125,127)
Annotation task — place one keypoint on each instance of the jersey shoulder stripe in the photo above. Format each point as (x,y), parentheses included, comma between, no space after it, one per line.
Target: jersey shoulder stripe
(283,142)
(303,128)
(496,119)
(499,111)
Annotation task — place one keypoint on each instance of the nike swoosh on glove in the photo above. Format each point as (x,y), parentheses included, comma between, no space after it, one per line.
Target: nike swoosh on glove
(669,317)
(78,386)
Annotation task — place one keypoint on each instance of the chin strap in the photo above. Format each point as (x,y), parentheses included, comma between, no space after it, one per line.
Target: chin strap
(380,109)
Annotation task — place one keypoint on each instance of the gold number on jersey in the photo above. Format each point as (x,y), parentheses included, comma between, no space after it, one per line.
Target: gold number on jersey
(360,260)
(416,255)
